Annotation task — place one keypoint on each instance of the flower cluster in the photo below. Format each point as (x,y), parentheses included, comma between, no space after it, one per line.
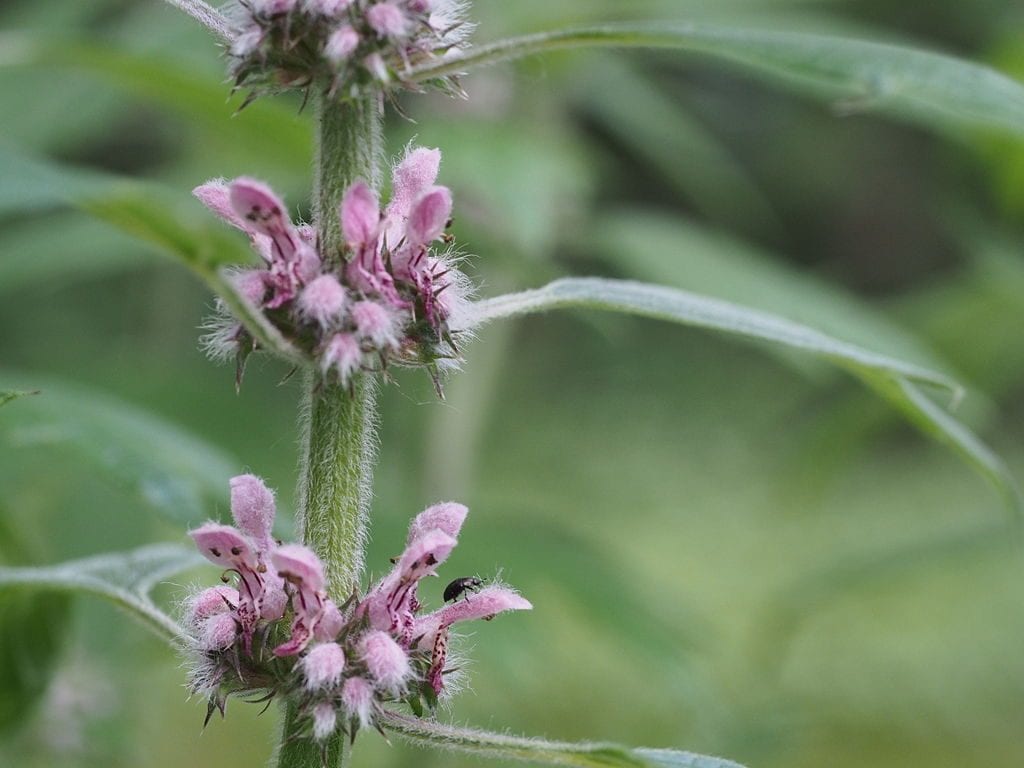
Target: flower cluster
(276,632)
(389,296)
(345,46)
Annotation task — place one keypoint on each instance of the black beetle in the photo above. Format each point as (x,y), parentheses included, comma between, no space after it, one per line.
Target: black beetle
(461,587)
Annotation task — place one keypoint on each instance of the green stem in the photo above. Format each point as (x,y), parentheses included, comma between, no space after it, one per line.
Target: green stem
(339,424)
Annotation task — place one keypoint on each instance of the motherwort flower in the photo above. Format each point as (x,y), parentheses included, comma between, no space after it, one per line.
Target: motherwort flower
(344,46)
(395,297)
(270,630)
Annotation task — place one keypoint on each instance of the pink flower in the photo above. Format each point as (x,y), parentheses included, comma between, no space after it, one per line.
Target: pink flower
(224,546)
(253,207)
(247,553)
(391,604)
(392,298)
(302,570)
(431,631)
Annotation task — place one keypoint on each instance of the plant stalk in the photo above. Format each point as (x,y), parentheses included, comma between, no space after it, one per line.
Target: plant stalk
(338,424)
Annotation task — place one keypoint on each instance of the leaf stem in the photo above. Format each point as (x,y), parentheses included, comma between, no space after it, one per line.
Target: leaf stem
(338,424)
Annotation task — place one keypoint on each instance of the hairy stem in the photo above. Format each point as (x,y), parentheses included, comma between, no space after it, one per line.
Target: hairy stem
(338,424)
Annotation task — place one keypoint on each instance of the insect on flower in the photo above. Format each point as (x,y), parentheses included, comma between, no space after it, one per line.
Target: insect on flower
(461,587)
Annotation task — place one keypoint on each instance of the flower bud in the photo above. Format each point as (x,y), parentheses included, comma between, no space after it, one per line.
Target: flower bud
(344,354)
(357,699)
(323,300)
(387,20)
(341,44)
(211,602)
(325,719)
(331,622)
(385,660)
(374,322)
(219,632)
(323,665)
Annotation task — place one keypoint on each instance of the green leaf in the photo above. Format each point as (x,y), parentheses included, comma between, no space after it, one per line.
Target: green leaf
(501,746)
(148,213)
(703,312)
(8,395)
(124,578)
(893,379)
(272,132)
(169,470)
(912,83)
(32,631)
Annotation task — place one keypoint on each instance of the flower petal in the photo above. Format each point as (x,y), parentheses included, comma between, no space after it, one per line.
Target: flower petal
(429,216)
(360,215)
(448,516)
(252,506)
(484,604)
(225,546)
(412,177)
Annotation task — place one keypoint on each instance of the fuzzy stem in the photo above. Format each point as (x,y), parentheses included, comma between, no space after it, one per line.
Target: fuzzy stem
(338,424)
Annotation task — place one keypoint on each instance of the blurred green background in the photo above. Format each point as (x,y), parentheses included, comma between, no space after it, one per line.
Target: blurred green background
(728,551)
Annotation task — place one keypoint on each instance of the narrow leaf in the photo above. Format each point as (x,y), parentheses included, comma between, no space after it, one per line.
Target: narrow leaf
(148,213)
(866,75)
(501,746)
(124,578)
(893,379)
(169,470)
(703,312)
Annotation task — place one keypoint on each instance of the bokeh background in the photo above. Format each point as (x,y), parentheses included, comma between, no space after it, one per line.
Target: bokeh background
(729,551)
